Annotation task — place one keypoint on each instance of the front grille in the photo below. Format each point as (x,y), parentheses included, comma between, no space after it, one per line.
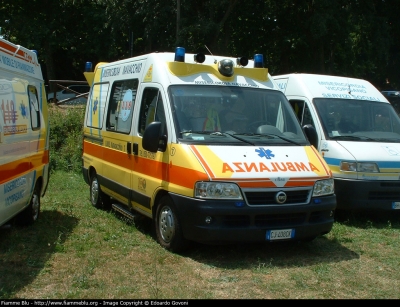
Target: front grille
(266,197)
(387,195)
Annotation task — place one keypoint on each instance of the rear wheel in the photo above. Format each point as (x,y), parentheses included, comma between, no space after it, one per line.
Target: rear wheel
(31,213)
(167,226)
(97,198)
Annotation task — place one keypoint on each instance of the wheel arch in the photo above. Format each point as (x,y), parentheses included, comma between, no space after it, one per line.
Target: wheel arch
(158,195)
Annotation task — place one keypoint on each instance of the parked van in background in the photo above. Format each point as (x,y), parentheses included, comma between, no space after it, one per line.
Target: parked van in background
(24,134)
(73,94)
(394,98)
(207,147)
(358,136)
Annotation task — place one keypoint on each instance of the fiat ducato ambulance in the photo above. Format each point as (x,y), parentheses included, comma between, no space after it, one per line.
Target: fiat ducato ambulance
(24,134)
(358,136)
(208,147)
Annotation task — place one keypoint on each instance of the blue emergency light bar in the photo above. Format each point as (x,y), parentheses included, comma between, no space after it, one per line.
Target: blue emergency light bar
(88,67)
(258,61)
(180,54)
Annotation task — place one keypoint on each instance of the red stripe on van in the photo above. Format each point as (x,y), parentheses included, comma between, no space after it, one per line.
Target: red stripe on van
(202,161)
(19,167)
(7,48)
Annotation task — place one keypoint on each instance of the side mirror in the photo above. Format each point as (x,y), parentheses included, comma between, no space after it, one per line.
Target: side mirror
(152,140)
(311,134)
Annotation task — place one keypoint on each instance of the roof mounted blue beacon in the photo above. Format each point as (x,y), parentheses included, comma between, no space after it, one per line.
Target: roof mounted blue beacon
(258,61)
(88,67)
(179,54)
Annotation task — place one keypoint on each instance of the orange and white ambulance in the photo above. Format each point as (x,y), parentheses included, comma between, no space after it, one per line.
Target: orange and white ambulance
(208,147)
(24,134)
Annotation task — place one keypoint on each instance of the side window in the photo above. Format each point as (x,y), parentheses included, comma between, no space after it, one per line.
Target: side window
(96,105)
(307,118)
(302,111)
(120,108)
(34,107)
(152,109)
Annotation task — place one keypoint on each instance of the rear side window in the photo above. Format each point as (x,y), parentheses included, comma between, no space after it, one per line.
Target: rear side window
(96,105)
(34,107)
(120,108)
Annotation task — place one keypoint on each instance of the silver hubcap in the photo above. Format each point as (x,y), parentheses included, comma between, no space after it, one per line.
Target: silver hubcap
(95,191)
(35,206)
(166,224)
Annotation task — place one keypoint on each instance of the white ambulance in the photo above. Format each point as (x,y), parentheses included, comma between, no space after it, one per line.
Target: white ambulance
(24,134)
(207,147)
(358,136)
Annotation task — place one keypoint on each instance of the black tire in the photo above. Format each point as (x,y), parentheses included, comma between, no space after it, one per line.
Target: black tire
(168,228)
(98,199)
(32,212)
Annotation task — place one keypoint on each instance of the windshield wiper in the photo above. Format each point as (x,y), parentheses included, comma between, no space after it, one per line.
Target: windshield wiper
(275,135)
(352,137)
(239,138)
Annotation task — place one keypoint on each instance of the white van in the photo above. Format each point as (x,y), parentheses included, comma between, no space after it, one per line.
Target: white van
(358,136)
(24,134)
(206,146)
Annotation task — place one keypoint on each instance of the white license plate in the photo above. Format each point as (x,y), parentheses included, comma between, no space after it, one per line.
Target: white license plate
(280,234)
(396,205)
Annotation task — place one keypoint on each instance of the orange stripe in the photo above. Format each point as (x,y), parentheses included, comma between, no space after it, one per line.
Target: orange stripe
(202,161)
(174,174)
(323,163)
(17,168)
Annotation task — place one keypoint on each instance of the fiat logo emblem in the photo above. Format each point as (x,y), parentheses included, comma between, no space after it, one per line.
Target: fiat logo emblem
(280,197)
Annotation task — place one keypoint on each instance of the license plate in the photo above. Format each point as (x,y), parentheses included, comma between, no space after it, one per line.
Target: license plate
(280,234)
(396,205)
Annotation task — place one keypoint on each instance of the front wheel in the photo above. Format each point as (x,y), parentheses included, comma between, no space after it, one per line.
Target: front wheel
(167,226)
(97,198)
(31,213)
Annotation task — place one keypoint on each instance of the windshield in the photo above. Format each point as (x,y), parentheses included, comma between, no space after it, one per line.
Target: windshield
(347,119)
(222,114)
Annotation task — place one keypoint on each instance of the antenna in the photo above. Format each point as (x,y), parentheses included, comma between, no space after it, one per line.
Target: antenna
(208,50)
(215,60)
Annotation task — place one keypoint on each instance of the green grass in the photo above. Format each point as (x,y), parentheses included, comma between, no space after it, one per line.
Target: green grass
(75,251)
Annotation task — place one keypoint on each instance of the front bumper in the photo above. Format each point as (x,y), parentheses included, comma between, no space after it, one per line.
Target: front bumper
(230,223)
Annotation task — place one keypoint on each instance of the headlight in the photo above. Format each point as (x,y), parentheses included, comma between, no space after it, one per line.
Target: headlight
(366,167)
(218,190)
(323,187)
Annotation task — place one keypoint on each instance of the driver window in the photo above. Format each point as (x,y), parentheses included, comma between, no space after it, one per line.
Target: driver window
(302,112)
(152,109)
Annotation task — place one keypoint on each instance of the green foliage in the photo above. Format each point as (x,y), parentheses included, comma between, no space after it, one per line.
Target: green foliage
(66,126)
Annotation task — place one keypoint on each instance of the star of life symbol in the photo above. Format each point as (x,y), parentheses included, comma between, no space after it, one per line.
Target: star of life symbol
(265,153)
(94,108)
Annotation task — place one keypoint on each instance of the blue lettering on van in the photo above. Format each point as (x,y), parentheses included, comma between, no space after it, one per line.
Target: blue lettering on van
(262,152)
(341,84)
(110,72)
(347,96)
(132,69)
(17,65)
(14,198)
(8,187)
